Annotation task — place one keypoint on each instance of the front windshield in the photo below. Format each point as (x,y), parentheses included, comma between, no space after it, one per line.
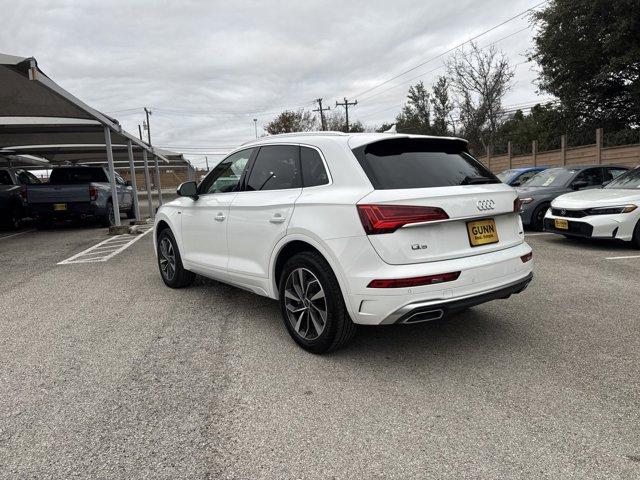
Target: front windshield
(506,175)
(552,177)
(629,180)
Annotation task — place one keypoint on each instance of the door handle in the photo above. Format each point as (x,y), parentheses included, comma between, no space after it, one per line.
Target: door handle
(219,217)
(277,218)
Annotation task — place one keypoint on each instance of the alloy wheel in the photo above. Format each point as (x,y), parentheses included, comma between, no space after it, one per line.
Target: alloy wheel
(167,259)
(305,303)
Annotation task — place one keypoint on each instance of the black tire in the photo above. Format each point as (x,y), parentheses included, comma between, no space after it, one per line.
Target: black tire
(14,218)
(109,218)
(338,329)
(179,277)
(131,213)
(537,218)
(635,240)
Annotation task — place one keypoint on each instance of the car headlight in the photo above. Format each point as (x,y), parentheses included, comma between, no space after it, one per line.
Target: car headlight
(526,200)
(611,210)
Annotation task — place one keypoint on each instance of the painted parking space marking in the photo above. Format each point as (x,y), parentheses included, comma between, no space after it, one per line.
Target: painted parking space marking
(106,249)
(623,257)
(16,234)
(537,234)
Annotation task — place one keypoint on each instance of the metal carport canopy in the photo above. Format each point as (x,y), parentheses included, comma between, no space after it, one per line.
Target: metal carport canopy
(35,111)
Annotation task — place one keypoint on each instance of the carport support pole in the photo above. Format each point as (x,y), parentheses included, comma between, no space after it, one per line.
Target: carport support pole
(158,186)
(147,182)
(134,183)
(112,176)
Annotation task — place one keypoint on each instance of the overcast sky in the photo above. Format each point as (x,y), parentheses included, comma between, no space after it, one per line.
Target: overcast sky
(207,68)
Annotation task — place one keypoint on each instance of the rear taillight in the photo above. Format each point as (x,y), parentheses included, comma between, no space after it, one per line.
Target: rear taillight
(93,193)
(526,257)
(23,193)
(414,281)
(517,205)
(388,218)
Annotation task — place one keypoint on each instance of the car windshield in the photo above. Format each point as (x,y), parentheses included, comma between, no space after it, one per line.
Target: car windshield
(506,175)
(553,177)
(629,180)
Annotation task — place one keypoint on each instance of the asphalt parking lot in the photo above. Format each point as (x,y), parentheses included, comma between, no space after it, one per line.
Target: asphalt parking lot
(105,373)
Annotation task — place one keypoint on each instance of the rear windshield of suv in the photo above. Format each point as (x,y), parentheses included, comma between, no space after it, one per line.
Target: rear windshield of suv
(420,163)
(71,175)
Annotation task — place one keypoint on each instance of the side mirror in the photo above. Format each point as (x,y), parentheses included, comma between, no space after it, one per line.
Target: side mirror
(517,183)
(604,184)
(579,184)
(188,189)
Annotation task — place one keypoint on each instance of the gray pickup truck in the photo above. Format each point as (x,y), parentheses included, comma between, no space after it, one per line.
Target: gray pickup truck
(80,192)
(13,208)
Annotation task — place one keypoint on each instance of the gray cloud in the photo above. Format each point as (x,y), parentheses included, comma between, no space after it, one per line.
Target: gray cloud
(208,68)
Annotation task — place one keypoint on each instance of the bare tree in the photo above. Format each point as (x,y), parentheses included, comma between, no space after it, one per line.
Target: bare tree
(481,78)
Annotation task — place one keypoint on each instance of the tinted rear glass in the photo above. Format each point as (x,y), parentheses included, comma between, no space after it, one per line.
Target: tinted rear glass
(418,163)
(313,171)
(60,176)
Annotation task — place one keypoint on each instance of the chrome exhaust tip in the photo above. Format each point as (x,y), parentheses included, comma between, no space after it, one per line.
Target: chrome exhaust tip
(424,316)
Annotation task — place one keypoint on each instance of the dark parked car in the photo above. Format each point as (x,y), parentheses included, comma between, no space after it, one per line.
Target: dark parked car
(80,192)
(517,176)
(12,205)
(537,193)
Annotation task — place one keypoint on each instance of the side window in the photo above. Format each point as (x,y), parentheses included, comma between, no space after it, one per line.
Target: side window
(313,171)
(225,177)
(275,168)
(5,178)
(31,178)
(593,176)
(119,179)
(611,173)
(526,176)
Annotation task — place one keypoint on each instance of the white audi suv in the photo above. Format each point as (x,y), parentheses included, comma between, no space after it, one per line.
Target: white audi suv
(348,229)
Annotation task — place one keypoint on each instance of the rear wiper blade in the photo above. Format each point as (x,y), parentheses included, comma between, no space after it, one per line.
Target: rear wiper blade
(478,180)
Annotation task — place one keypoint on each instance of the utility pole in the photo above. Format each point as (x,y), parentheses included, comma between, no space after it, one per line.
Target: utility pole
(346,104)
(255,124)
(140,132)
(147,113)
(206,159)
(321,110)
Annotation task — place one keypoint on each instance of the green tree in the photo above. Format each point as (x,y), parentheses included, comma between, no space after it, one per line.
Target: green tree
(589,54)
(442,107)
(292,121)
(415,116)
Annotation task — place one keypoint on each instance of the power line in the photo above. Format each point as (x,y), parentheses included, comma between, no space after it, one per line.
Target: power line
(450,50)
(404,82)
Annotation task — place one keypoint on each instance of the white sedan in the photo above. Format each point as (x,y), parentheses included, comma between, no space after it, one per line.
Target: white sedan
(610,212)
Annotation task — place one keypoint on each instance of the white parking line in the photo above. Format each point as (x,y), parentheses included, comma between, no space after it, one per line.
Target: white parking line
(536,234)
(16,234)
(103,251)
(622,257)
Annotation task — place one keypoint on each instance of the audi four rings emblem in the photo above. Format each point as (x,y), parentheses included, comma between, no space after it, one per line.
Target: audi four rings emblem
(484,205)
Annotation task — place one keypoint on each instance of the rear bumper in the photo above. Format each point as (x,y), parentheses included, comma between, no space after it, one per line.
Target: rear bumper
(73,210)
(481,277)
(427,311)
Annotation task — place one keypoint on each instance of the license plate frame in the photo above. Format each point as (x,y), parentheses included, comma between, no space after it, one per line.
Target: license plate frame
(485,236)
(561,223)
(59,207)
